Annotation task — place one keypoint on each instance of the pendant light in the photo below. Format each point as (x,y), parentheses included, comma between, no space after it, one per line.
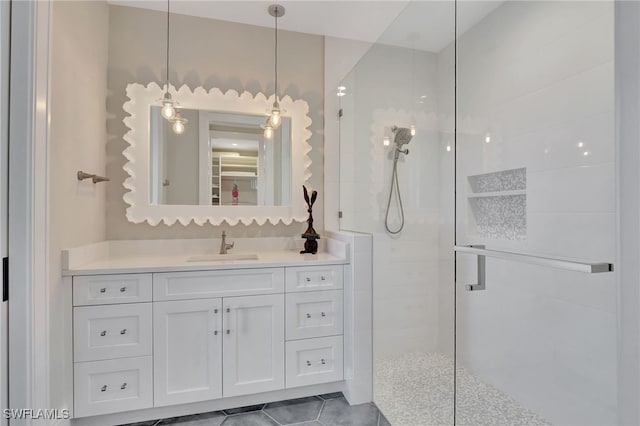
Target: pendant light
(275,117)
(178,123)
(168,105)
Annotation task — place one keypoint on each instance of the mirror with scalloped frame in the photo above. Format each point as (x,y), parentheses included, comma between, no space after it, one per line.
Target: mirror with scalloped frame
(220,168)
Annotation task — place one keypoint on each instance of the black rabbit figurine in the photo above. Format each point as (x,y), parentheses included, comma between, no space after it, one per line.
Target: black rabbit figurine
(311,245)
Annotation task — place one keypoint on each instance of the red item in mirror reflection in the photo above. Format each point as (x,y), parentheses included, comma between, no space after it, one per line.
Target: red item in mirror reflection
(234,194)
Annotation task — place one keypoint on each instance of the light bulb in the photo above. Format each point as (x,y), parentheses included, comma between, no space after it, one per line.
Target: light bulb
(448,148)
(487,138)
(268,131)
(179,123)
(275,119)
(413,130)
(178,127)
(168,111)
(386,141)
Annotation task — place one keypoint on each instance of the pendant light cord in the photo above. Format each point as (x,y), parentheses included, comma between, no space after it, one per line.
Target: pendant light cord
(276,54)
(168,13)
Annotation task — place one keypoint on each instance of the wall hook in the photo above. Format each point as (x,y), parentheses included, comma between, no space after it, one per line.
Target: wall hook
(94,178)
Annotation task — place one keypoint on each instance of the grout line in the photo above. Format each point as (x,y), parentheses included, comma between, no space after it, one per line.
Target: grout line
(324,401)
(267,414)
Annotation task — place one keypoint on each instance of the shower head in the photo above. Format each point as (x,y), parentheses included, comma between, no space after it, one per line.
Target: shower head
(403,135)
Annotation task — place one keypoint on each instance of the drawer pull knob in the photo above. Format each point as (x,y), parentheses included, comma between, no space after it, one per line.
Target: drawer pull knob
(308,315)
(123,289)
(215,332)
(103,290)
(322,361)
(323,314)
(123,386)
(228,331)
(322,278)
(308,363)
(215,311)
(103,333)
(308,279)
(123,331)
(103,388)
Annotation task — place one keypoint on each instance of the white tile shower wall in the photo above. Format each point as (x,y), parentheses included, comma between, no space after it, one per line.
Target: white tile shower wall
(627,28)
(395,86)
(538,78)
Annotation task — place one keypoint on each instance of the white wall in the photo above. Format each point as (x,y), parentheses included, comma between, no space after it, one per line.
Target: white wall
(208,53)
(5,47)
(538,77)
(77,142)
(340,56)
(627,62)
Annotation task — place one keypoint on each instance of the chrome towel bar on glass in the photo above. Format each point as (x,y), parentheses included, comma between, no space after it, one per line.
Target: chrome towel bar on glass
(589,268)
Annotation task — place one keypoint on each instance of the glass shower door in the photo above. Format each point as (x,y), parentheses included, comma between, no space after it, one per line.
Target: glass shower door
(534,184)
(396,137)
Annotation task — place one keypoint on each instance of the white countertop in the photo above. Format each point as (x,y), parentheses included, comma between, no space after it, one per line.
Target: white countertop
(120,257)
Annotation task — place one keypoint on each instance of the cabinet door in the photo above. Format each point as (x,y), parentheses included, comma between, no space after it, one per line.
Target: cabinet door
(253,344)
(187,351)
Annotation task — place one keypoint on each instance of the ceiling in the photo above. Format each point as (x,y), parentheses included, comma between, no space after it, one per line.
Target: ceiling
(420,24)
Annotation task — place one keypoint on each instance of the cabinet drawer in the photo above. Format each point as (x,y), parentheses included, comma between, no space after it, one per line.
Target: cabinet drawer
(224,283)
(107,289)
(102,387)
(116,331)
(312,278)
(314,361)
(314,314)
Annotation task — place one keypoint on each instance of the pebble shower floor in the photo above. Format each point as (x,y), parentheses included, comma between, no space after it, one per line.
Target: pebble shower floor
(417,390)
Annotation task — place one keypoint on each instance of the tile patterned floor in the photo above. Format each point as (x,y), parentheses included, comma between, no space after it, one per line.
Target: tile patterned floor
(322,410)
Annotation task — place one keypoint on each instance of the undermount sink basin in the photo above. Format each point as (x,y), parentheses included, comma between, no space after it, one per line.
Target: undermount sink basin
(222,257)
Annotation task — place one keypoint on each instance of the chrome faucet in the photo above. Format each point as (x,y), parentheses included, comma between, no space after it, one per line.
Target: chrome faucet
(224,246)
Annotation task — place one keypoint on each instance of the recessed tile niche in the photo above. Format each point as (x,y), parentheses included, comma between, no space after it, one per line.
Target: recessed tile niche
(498,204)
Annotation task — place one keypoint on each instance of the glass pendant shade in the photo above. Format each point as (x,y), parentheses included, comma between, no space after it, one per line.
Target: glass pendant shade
(168,108)
(276,117)
(179,123)
(268,129)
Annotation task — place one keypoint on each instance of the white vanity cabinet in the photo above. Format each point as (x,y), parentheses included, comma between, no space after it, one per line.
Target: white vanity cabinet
(253,344)
(112,349)
(158,339)
(314,331)
(195,341)
(187,349)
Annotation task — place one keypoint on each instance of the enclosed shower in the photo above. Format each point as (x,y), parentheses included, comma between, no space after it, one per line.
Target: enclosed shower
(494,302)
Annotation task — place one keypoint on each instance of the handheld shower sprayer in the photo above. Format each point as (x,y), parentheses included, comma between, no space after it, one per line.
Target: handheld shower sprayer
(402,137)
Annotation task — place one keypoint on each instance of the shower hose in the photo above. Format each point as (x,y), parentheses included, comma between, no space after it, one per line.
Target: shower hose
(394,184)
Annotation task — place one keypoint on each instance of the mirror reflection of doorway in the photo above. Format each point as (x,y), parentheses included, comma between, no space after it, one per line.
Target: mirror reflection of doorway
(236,153)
